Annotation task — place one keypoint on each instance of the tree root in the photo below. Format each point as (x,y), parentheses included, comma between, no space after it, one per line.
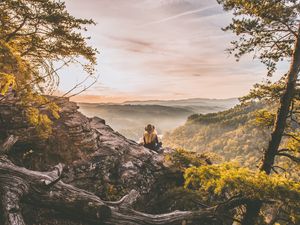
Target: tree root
(45,189)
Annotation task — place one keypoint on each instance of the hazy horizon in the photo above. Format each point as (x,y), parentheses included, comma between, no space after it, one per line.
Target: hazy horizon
(108,100)
(130,119)
(161,49)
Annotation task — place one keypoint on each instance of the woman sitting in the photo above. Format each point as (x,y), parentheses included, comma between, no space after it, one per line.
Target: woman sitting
(150,138)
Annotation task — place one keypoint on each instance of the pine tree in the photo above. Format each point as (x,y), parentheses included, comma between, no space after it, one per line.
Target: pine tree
(269,29)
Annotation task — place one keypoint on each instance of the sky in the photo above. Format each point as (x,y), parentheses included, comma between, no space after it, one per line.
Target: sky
(161,49)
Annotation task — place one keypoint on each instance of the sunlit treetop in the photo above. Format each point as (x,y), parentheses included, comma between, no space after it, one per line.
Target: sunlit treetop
(42,32)
(234,180)
(266,28)
(37,38)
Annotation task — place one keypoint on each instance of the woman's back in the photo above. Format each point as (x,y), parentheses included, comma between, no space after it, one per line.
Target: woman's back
(150,138)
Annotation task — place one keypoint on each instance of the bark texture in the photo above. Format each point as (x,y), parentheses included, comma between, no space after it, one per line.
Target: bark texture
(284,109)
(253,209)
(101,166)
(45,189)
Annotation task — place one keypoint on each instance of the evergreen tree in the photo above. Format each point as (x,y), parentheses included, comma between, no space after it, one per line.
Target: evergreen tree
(271,30)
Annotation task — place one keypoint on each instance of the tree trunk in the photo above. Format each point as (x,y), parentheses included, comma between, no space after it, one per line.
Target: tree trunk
(45,189)
(252,210)
(283,111)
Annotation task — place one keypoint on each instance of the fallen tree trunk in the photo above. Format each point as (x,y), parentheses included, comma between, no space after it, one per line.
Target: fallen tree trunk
(45,189)
(8,143)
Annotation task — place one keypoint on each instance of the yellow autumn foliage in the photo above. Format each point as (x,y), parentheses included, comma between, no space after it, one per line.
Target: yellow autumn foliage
(6,81)
(232,179)
(41,121)
(31,45)
(264,118)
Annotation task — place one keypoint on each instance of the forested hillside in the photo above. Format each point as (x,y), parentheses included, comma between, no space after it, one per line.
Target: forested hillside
(233,134)
(130,118)
(58,166)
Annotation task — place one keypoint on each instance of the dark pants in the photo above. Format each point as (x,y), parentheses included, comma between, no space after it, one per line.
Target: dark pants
(153,146)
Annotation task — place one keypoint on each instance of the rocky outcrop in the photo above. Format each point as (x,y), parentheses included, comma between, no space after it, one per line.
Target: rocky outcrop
(98,159)
(117,166)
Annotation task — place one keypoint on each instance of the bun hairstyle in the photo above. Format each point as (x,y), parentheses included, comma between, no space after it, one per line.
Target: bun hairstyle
(149,128)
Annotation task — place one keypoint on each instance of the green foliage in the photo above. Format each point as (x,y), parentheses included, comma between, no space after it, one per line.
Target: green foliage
(182,159)
(232,134)
(291,152)
(266,28)
(270,92)
(39,34)
(239,134)
(44,30)
(231,117)
(11,63)
(236,180)
(35,36)
(231,180)
(293,143)
(6,81)
(39,120)
(40,112)
(19,81)
(264,118)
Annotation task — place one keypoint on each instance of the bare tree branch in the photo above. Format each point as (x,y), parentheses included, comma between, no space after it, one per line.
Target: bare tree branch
(82,90)
(291,157)
(11,35)
(292,136)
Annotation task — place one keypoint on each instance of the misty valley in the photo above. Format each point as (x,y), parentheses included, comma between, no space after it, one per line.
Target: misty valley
(149,112)
(130,118)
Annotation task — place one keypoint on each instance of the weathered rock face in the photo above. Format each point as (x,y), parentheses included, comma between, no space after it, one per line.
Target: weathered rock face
(99,159)
(117,166)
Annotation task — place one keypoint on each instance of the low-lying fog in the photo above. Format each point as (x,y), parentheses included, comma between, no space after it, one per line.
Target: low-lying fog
(130,118)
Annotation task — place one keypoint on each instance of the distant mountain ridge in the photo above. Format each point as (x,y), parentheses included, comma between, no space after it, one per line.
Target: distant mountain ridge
(197,105)
(130,117)
(181,101)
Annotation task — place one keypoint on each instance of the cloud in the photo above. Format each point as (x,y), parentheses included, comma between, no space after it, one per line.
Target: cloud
(133,41)
(157,49)
(186,13)
(133,44)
